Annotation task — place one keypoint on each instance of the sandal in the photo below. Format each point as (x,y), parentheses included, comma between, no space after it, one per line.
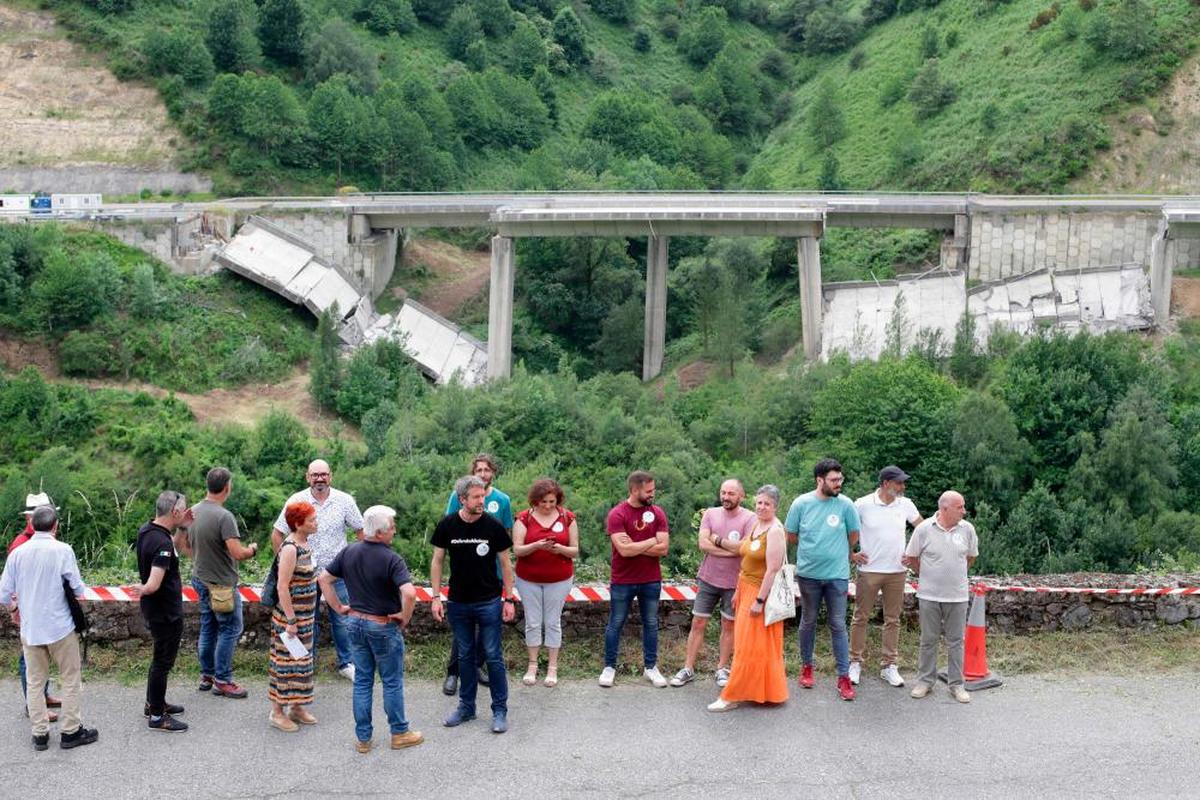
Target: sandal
(303,716)
(530,675)
(282,722)
(551,677)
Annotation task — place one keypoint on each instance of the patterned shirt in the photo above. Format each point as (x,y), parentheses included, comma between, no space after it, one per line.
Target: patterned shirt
(338,514)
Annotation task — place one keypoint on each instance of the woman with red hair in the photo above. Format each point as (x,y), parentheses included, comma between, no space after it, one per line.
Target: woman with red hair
(291,682)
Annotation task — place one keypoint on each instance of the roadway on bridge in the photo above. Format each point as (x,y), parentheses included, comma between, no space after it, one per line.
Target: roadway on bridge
(1105,737)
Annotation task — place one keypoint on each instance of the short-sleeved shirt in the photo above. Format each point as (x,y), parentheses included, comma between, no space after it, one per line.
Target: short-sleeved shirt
(496,503)
(733,526)
(542,566)
(640,523)
(155,549)
(473,548)
(212,527)
(337,515)
(373,573)
(943,554)
(882,534)
(822,525)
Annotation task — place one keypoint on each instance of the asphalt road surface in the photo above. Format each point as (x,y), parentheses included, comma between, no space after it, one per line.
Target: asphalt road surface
(1102,737)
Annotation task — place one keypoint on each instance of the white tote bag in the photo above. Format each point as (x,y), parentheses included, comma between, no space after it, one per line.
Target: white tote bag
(781,602)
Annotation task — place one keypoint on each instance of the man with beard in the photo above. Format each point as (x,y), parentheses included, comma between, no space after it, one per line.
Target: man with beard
(825,525)
(336,513)
(717,579)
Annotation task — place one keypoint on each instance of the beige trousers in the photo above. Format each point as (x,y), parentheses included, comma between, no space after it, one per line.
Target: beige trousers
(867,587)
(65,655)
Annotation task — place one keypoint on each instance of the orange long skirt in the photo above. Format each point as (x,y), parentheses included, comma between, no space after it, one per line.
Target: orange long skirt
(757,675)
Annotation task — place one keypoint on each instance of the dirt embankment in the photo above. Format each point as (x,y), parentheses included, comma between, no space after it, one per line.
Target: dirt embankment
(441,276)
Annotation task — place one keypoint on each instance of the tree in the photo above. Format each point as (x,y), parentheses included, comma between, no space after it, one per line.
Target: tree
(283,30)
(729,92)
(619,11)
(231,40)
(928,93)
(1124,29)
(828,30)
(386,16)
(526,50)
(277,120)
(571,36)
(829,180)
(877,11)
(929,43)
(71,293)
(544,84)
(463,29)
(966,363)
(824,121)
(337,121)
(993,459)
(335,50)
(435,12)
(496,16)
(179,52)
(325,373)
(643,39)
(702,35)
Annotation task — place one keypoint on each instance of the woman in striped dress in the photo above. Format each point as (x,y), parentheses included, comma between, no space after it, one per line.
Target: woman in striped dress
(291,684)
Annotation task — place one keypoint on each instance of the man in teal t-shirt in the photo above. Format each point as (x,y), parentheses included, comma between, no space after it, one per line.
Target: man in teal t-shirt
(825,525)
(497,505)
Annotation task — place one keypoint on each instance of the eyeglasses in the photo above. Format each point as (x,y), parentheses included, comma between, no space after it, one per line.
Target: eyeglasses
(318,474)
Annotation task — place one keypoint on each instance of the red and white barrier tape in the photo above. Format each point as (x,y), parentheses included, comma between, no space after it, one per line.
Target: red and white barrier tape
(676,592)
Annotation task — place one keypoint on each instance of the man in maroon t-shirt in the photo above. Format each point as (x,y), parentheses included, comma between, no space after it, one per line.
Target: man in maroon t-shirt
(640,538)
(32,501)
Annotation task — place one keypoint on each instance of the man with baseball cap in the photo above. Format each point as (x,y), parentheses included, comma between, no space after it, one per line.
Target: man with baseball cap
(883,515)
(32,501)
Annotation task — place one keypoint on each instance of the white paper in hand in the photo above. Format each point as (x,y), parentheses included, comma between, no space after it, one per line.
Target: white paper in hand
(295,647)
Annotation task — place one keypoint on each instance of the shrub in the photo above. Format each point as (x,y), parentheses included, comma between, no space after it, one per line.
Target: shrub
(702,35)
(928,93)
(179,52)
(642,39)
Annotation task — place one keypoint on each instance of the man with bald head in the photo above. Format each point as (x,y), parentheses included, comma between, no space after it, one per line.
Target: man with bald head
(336,513)
(941,550)
(717,579)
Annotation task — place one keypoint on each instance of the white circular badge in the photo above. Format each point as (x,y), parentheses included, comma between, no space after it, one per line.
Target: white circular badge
(958,540)
(832,520)
(647,517)
(493,506)
(755,545)
(482,549)
(557,527)
(734,536)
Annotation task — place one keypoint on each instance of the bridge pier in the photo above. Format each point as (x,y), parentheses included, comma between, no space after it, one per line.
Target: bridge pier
(500,308)
(656,307)
(808,252)
(1162,274)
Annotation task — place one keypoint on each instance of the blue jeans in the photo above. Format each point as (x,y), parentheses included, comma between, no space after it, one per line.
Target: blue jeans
(218,634)
(833,592)
(472,621)
(622,595)
(338,629)
(376,647)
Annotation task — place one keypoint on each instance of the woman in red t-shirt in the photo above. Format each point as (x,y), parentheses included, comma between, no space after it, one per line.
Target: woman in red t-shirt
(546,541)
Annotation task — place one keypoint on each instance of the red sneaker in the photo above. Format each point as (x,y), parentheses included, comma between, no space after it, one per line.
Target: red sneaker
(806,677)
(845,688)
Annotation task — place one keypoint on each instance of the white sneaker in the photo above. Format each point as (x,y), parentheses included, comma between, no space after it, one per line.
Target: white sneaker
(722,705)
(656,677)
(891,675)
(855,672)
(960,694)
(347,672)
(684,676)
(722,677)
(607,677)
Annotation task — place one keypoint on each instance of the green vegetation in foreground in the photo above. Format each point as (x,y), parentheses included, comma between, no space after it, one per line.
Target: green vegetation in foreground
(1102,651)
(640,94)
(111,311)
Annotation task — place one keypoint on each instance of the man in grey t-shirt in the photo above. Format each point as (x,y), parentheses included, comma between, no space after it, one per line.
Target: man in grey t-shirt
(940,551)
(215,546)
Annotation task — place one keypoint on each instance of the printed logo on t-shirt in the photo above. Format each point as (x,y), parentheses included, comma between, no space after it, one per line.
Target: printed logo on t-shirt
(647,517)
(557,527)
(481,549)
(832,520)
(165,553)
(493,507)
(734,536)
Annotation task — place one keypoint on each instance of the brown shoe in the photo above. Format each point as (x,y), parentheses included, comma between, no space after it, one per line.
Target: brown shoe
(282,723)
(363,747)
(303,716)
(53,702)
(409,739)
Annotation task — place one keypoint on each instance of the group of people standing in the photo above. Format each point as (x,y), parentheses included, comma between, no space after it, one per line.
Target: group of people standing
(369,595)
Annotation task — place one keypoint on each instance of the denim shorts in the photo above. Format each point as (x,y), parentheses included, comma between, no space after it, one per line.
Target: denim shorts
(707,596)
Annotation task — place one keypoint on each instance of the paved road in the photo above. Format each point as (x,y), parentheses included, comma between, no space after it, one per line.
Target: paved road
(1035,737)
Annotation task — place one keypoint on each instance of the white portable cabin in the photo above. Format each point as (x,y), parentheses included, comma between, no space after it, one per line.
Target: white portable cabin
(75,202)
(14,203)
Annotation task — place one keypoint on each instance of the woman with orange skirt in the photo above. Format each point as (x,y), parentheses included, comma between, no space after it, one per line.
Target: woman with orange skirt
(758,675)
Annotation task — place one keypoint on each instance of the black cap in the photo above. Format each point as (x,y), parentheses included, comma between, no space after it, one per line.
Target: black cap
(893,473)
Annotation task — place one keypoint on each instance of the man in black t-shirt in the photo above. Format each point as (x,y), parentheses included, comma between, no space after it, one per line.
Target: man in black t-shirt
(381,604)
(480,596)
(161,596)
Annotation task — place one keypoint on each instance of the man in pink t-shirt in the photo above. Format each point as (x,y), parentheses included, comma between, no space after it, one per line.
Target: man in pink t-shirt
(717,579)
(640,538)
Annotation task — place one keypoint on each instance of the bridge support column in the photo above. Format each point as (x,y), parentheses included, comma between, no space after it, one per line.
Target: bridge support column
(811,301)
(656,307)
(1161,276)
(500,308)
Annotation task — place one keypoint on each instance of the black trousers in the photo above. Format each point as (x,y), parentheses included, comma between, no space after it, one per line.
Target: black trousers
(166,637)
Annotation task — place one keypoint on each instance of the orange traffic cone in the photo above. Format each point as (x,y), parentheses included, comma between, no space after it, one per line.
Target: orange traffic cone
(976,674)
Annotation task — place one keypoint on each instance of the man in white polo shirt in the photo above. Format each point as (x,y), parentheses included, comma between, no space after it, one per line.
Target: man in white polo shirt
(883,514)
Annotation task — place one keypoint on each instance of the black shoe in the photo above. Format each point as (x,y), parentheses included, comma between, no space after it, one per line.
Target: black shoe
(206,682)
(167,723)
(450,685)
(483,677)
(41,742)
(169,708)
(79,737)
